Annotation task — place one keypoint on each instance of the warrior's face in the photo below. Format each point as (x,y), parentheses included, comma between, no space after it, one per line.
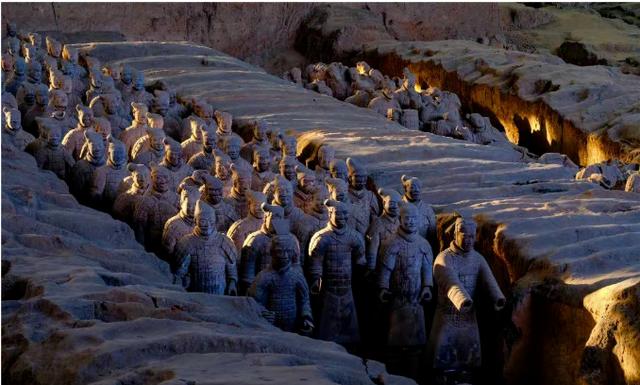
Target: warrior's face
(358,181)
(465,236)
(233,151)
(413,191)
(409,222)
(288,171)
(160,182)
(214,194)
(173,156)
(338,217)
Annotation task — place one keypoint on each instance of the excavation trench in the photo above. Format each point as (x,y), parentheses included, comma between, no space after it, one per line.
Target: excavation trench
(533,125)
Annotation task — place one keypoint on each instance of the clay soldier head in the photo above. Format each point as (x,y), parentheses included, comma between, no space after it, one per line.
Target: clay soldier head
(283,194)
(141,175)
(409,81)
(85,115)
(95,79)
(287,167)
(12,119)
(211,189)
(12,29)
(203,110)
(412,188)
(127,75)
(50,132)
(232,147)
(188,199)
(408,218)
(34,73)
(112,71)
(57,79)
(209,138)
(103,127)
(282,251)
(138,81)
(357,174)
(261,159)
(241,179)
(255,200)
(117,153)
(260,130)
(19,67)
(35,39)
(29,52)
(172,152)
(58,99)
(222,166)
(110,103)
(289,145)
(155,121)
(205,219)
(320,210)
(54,48)
(338,169)
(338,213)
(326,154)
(465,233)
(140,111)
(338,189)
(14,48)
(274,220)
(224,121)
(390,199)
(42,96)
(95,147)
(160,178)
(160,103)
(306,180)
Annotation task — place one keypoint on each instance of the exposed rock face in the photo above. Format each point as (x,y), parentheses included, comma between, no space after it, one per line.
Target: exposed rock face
(587,113)
(538,227)
(87,305)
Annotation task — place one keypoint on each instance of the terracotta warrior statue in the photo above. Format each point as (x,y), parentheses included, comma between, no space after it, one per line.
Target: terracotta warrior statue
(83,171)
(211,193)
(304,189)
(255,253)
(12,131)
(260,139)
(231,146)
(338,169)
(461,274)
(334,250)
(179,225)
(25,95)
(95,85)
(282,290)
(39,109)
(426,215)
(107,178)
(130,190)
(382,227)
(206,259)
(49,153)
(224,122)
(74,139)
(111,107)
(138,127)
(18,77)
(58,110)
(262,173)
(405,279)
(241,179)
(174,162)
(193,144)
(287,168)
(138,93)
(150,148)
(364,201)
(385,102)
(222,170)
(324,156)
(241,228)
(204,159)
(154,208)
(160,106)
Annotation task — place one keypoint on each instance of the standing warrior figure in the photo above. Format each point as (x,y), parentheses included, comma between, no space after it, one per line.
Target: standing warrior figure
(287,169)
(259,140)
(338,169)
(84,170)
(12,131)
(107,178)
(150,148)
(74,139)
(255,254)
(154,208)
(365,204)
(206,258)
(460,274)
(333,251)
(131,189)
(382,227)
(180,224)
(241,228)
(426,215)
(193,144)
(241,180)
(49,153)
(405,279)
(222,170)
(304,189)
(282,290)
(231,146)
(324,157)
(211,193)
(138,127)
(174,162)
(204,159)
(262,173)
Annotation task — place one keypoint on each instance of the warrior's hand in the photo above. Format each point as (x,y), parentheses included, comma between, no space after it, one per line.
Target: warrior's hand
(307,326)
(269,316)
(316,286)
(425,294)
(466,306)
(384,295)
(499,304)
(231,289)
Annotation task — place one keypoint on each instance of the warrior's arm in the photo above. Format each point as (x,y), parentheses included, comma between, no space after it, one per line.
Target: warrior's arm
(302,298)
(247,263)
(372,245)
(357,250)
(427,267)
(385,267)
(259,290)
(490,283)
(455,290)
(316,252)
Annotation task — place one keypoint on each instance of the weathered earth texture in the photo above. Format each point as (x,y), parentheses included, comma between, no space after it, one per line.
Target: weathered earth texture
(567,253)
(590,113)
